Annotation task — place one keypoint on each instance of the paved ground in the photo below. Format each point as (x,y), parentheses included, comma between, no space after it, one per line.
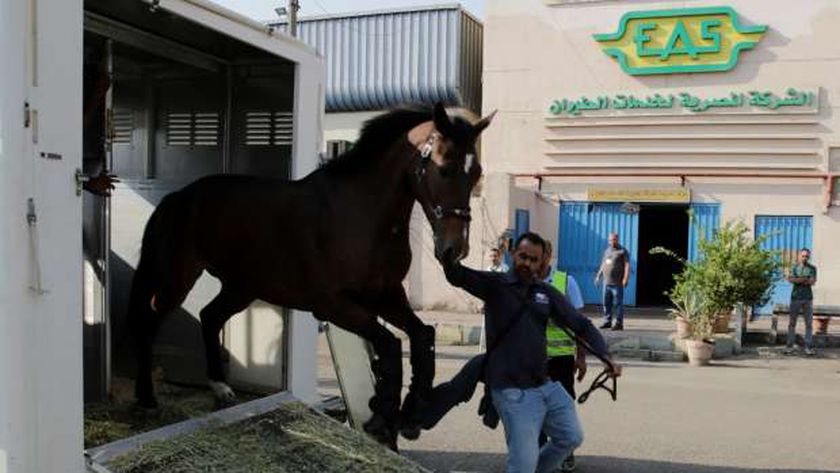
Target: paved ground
(748,414)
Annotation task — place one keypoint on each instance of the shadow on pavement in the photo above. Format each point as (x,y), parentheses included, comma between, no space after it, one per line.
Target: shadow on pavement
(485,462)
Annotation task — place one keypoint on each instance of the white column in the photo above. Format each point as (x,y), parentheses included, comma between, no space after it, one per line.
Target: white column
(303,328)
(40,332)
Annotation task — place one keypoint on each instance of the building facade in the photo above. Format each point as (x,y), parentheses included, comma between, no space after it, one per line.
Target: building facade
(660,121)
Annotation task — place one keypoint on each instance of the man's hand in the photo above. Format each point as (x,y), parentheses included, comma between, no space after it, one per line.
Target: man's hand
(615,369)
(580,367)
(102,184)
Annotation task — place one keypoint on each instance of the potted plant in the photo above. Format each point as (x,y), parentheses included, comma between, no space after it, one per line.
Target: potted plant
(735,269)
(695,320)
(732,269)
(688,303)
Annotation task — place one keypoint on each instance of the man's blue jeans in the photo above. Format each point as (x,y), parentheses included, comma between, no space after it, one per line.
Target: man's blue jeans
(526,412)
(614,299)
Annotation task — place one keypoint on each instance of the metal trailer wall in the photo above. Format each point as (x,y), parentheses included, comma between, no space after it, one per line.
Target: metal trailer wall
(176,119)
(40,243)
(376,60)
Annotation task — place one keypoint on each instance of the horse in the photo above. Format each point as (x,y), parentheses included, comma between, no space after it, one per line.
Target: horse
(335,243)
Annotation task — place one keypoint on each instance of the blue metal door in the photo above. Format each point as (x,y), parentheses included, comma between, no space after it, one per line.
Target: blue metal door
(584,228)
(704,221)
(523,223)
(787,236)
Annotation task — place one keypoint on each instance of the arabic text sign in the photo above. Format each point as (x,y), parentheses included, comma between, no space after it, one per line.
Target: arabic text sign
(793,99)
(675,195)
(679,41)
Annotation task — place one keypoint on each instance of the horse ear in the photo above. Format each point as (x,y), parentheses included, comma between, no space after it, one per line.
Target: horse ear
(484,123)
(442,122)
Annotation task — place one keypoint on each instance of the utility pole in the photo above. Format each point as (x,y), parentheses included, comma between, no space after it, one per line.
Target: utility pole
(294,6)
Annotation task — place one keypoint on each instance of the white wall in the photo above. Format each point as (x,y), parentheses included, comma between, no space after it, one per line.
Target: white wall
(41,332)
(345,125)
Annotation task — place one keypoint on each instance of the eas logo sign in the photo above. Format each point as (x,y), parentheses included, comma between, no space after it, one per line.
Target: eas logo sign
(682,40)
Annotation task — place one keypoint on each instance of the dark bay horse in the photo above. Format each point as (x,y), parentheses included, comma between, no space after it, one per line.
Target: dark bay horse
(335,243)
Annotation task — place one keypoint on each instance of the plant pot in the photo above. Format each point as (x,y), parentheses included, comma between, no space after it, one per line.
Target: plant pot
(721,324)
(699,352)
(821,324)
(683,328)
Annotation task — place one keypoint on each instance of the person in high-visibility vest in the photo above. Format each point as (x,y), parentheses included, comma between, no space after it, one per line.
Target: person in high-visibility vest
(564,356)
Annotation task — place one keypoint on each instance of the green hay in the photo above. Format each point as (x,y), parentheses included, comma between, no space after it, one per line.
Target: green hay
(121,418)
(291,439)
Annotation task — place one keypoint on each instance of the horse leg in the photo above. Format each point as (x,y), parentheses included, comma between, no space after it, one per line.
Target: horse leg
(213,317)
(387,369)
(150,301)
(422,340)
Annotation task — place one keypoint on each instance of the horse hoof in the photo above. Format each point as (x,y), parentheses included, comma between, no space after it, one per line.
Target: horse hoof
(410,432)
(375,424)
(225,397)
(147,403)
(378,428)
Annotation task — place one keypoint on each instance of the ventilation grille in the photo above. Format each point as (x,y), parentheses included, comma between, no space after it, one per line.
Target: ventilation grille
(268,128)
(123,126)
(193,129)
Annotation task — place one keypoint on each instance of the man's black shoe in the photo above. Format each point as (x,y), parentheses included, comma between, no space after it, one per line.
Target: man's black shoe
(618,327)
(606,325)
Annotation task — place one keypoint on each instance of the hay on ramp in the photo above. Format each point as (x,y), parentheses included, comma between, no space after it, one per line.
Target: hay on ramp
(121,417)
(291,439)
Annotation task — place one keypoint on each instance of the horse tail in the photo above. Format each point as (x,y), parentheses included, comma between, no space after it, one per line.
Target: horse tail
(145,311)
(158,259)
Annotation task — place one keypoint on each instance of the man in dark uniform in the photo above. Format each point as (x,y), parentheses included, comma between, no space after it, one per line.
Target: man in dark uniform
(518,306)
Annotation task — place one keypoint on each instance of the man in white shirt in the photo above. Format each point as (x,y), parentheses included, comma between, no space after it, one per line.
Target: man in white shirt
(496,263)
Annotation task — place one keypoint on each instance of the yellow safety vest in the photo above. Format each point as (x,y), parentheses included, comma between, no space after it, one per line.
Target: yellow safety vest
(558,342)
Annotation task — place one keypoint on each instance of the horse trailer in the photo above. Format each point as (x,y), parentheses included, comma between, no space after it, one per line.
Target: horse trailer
(158,92)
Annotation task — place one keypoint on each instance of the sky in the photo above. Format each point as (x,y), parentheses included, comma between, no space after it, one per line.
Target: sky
(264,9)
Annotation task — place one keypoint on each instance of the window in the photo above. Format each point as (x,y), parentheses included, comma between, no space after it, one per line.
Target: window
(193,128)
(269,128)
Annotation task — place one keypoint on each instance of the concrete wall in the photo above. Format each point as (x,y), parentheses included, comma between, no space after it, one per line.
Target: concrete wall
(799,50)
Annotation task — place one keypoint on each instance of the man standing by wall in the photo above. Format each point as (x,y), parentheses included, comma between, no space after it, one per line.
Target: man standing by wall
(615,270)
(803,275)
(496,263)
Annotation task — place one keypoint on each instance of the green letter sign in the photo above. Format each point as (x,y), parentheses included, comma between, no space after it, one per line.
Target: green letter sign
(682,40)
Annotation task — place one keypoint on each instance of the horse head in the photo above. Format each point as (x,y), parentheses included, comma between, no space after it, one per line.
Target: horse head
(447,170)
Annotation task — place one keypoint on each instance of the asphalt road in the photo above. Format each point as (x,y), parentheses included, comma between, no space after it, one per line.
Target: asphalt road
(751,414)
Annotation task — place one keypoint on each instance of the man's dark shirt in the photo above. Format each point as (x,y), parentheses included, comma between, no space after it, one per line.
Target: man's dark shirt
(520,359)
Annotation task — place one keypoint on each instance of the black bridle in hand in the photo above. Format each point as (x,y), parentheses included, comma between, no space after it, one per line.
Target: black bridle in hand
(601,382)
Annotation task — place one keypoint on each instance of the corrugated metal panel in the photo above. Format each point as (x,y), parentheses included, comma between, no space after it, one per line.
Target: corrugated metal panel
(584,229)
(379,60)
(523,223)
(788,234)
(705,220)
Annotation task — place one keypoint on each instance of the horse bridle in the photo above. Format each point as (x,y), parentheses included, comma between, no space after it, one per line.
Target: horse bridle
(437,211)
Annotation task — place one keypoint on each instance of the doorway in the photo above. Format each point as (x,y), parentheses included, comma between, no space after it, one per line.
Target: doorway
(660,226)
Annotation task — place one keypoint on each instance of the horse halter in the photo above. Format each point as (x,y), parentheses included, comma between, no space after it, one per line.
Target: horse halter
(438,212)
(600,381)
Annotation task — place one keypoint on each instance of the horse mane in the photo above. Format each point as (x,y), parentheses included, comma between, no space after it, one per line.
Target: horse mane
(377,135)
